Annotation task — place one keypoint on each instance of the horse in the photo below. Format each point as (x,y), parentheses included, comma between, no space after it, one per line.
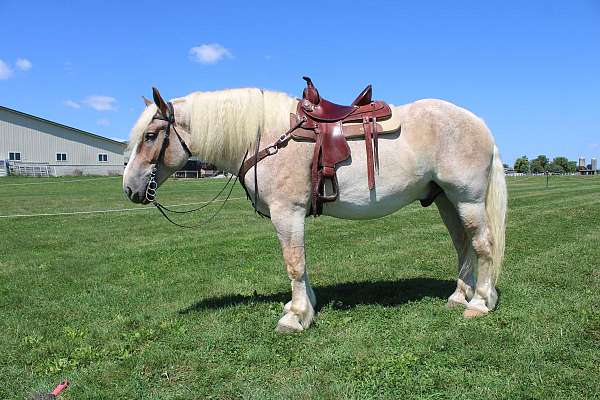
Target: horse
(437,143)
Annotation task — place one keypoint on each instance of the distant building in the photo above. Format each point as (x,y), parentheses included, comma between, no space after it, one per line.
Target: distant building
(31,145)
(589,169)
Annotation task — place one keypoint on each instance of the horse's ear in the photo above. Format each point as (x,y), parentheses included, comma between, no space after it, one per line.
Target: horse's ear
(160,102)
(147,101)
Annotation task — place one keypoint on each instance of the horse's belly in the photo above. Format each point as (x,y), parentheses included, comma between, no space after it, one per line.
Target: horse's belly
(348,208)
(398,183)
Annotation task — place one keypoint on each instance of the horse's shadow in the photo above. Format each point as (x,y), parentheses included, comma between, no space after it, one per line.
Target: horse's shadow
(344,295)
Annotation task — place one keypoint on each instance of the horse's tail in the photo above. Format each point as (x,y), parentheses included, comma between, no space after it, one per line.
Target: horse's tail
(495,205)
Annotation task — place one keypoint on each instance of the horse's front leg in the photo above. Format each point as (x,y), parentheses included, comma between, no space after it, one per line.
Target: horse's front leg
(299,312)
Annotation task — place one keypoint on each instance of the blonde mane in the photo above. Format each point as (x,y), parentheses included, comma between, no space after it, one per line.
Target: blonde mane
(223,124)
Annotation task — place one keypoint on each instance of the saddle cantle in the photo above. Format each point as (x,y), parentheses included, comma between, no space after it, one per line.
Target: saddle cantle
(329,125)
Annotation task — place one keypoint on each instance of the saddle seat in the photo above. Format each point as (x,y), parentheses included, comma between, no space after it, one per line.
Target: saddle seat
(325,110)
(328,125)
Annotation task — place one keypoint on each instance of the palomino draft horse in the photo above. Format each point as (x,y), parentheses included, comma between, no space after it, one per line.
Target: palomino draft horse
(433,152)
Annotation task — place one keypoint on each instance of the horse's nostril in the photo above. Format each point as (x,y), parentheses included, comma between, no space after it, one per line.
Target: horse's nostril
(135,197)
(128,191)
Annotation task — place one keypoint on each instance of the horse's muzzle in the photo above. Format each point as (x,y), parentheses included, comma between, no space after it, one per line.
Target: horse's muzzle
(134,196)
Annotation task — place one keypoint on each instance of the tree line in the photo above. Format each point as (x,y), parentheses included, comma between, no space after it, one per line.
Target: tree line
(541,164)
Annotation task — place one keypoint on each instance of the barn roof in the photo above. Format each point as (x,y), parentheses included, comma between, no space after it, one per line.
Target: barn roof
(62,126)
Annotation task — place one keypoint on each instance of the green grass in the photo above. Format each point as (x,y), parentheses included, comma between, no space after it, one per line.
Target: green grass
(128,306)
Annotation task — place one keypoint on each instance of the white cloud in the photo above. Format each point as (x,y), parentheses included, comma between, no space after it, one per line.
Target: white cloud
(209,53)
(23,64)
(5,71)
(72,104)
(101,103)
(103,122)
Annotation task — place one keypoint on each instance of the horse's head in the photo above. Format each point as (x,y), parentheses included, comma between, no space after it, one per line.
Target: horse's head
(158,148)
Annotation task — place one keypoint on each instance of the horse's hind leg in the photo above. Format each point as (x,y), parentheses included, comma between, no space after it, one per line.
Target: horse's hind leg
(466,256)
(475,220)
(299,312)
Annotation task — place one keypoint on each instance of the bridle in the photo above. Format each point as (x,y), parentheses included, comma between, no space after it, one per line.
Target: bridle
(152,185)
(170,119)
(247,164)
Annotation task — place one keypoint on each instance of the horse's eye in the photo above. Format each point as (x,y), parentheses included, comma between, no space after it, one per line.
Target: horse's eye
(150,136)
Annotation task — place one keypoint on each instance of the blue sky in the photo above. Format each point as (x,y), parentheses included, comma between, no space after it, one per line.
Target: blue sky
(530,69)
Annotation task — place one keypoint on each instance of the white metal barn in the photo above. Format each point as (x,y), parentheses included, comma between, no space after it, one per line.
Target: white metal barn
(30,145)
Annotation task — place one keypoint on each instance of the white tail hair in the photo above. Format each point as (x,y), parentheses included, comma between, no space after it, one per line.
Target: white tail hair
(496,207)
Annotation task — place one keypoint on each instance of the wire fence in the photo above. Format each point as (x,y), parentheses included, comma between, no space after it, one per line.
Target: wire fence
(115,210)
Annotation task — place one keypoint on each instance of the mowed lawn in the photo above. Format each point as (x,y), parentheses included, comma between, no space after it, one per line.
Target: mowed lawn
(127,306)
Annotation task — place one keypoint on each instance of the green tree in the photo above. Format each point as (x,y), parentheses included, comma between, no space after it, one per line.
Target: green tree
(556,168)
(536,166)
(522,165)
(543,161)
(562,161)
(572,167)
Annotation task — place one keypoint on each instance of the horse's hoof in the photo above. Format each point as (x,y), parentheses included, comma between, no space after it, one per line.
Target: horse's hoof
(287,308)
(289,323)
(470,313)
(456,299)
(453,303)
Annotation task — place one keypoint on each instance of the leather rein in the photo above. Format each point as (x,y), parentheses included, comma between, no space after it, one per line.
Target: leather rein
(152,185)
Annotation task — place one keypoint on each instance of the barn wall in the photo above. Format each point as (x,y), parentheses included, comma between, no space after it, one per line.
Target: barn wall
(38,141)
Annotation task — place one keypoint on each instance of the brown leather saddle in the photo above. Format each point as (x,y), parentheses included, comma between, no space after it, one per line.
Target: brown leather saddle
(329,125)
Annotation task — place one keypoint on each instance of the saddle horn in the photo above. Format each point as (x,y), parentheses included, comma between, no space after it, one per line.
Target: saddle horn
(310,92)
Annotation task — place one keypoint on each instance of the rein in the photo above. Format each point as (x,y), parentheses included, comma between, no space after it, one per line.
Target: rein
(152,185)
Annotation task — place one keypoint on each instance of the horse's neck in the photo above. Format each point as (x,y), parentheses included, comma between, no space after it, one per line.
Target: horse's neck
(274,124)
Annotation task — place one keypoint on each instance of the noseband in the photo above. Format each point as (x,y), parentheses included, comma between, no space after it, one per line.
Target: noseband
(170,118)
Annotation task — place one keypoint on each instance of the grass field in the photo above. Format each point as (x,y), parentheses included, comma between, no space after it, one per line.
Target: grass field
(128,306)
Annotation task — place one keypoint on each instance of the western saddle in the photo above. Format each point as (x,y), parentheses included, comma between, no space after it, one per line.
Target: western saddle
(329,125)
